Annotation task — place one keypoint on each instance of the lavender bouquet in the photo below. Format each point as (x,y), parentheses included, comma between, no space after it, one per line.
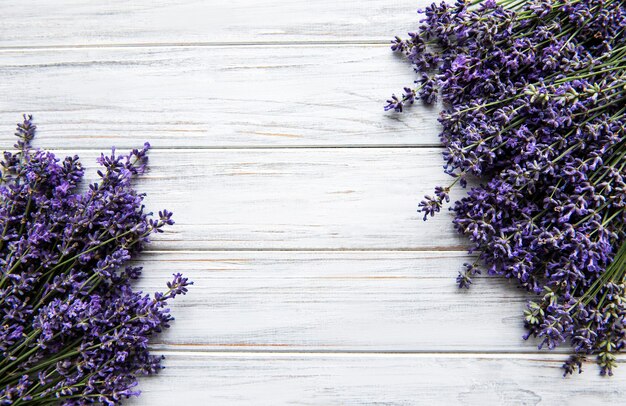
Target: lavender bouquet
(73,331)
(534,96)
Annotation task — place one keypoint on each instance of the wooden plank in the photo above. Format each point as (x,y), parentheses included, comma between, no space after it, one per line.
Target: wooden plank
(211,97)
(90,22)
(336,301)
(358,379)
(296,199)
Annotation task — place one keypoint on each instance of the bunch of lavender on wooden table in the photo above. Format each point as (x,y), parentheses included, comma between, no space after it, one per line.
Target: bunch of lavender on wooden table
(534,98)
(73,330)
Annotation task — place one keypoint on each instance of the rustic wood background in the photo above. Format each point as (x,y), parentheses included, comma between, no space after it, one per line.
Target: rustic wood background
(295,195)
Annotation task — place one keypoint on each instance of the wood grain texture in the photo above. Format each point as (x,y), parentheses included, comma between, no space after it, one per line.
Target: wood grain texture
(358,379)
(89,22)
(336,301)
(212,97)
(296,199)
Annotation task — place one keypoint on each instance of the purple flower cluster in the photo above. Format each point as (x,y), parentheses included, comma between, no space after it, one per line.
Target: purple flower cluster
(73,331)
(534,96)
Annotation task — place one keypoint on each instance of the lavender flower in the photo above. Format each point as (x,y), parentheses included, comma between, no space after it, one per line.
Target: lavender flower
(73,330)
(535,108)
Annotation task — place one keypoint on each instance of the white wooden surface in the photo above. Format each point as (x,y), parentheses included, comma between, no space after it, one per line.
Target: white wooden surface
(295,195)
(213,96)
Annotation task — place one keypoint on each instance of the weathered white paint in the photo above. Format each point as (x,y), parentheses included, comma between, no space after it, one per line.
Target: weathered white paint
(336,301)
(90,22)
(374,379)
(212,97)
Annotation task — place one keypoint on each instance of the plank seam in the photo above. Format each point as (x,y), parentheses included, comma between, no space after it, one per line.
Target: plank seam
(556,357)
(199,44)
(210,350)
(330,250)
(304,250)
(265,147)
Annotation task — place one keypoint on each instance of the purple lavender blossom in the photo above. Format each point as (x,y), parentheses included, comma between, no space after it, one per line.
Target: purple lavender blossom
(72,328)
(535,107)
